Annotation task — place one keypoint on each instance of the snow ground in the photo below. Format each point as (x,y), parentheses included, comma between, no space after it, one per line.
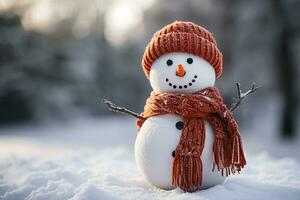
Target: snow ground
(92,158)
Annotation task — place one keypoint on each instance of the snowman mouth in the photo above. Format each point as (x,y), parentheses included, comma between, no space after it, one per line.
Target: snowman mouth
(182,86)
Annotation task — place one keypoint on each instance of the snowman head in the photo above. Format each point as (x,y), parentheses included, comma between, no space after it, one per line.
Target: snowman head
(182,57)
(181,72)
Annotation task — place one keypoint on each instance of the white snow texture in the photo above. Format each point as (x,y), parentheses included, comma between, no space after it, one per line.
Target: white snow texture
(91,159)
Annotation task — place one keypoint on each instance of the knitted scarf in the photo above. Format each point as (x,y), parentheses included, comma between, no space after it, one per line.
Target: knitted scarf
(208,105)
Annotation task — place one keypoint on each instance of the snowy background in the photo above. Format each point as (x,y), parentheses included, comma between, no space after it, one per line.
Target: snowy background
(58,58)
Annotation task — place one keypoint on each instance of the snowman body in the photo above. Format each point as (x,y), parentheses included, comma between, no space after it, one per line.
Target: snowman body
(159,135)
(154,146)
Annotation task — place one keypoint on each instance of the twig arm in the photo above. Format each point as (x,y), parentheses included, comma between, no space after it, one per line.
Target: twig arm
(243,95)
(113,107)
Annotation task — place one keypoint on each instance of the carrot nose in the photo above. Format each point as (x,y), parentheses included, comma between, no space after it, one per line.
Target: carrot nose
(180,71)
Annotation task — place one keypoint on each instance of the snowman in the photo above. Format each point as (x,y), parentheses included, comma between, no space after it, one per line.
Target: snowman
(188,138)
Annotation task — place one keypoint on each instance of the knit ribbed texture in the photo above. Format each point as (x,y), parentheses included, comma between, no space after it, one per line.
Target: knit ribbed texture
(186,37)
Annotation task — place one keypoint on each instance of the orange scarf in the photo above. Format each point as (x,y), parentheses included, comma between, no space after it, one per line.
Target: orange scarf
(208,105)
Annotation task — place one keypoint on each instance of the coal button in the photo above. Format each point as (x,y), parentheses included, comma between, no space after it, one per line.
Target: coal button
(179,125)
(173,154)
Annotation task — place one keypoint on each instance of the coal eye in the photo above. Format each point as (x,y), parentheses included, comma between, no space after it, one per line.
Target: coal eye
(189,60)
(169,62)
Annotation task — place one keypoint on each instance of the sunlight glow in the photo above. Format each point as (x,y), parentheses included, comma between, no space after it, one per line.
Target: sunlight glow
(121,18)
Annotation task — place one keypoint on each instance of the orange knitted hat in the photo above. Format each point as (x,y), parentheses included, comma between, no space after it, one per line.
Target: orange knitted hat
(186,37)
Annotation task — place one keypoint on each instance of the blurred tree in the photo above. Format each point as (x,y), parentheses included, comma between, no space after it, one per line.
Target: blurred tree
(78,58)
(14,106)
(266,33)
(288,12)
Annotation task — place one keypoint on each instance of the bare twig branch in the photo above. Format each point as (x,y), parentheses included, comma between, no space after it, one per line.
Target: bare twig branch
(242,95)
(238,85)
(113,107)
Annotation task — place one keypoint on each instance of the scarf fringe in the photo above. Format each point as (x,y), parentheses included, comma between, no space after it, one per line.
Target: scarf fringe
(187,172)
(218,157)
(232,164)
(238,157)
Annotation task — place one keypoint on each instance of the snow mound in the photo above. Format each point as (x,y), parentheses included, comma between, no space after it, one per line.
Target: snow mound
(38,168)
